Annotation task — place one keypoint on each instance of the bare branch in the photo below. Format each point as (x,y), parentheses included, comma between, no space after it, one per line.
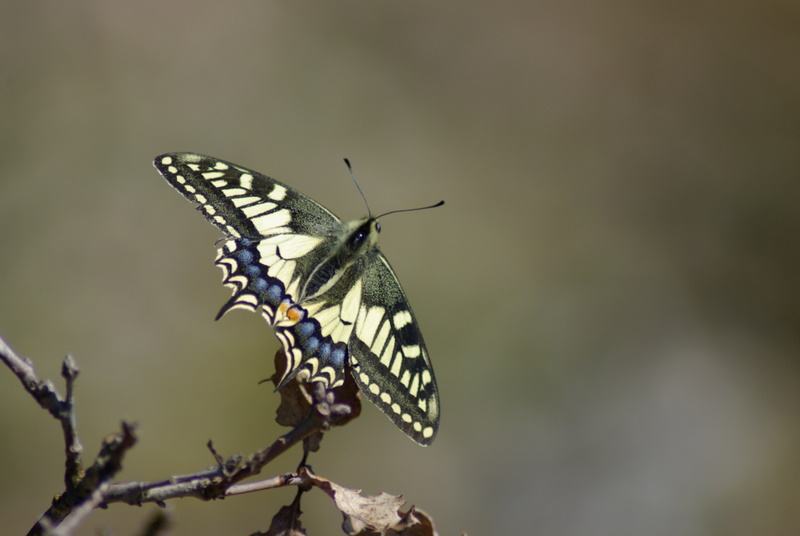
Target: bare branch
(92,485)
(42,391)
(74,449)
(48,398)
(73,520)
(310,408)
(214,483)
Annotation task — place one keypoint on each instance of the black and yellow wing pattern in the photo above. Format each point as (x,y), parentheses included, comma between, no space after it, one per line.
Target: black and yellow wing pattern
(321,283)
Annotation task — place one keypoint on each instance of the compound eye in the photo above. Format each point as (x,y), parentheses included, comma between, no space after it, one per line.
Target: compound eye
(378,226)
(358,238)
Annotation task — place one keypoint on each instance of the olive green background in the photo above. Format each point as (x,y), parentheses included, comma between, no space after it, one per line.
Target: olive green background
(609,296)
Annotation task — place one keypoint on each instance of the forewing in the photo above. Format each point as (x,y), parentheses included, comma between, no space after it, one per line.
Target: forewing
(388,356)
(275,234)
(243,202)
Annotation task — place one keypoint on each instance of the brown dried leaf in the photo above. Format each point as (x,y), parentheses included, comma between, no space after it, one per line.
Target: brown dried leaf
(159,523)
(363,514)
(415,523)
(349,395)
(342,403)
(295,402)
(287,522)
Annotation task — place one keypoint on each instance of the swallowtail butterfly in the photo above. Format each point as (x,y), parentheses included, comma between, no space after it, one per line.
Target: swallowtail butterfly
(320,282)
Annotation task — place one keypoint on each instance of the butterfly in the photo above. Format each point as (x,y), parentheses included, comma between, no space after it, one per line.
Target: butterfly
(323,285)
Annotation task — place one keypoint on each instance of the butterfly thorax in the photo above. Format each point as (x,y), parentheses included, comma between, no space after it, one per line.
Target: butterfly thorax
(357,239)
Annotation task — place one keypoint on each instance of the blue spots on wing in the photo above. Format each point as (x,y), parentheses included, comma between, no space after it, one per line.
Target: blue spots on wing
(338,356)
(308,336)
(244,256)
(252,279)
(305,329)
(274,293)
(312,344)
(269,290)
(325,351)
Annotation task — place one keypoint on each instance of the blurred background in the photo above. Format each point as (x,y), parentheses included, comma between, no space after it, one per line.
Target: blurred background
(609,296)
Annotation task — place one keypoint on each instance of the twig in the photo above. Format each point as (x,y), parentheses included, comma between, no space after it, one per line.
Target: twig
(260,485)
(48,398)
(91,487)
(78,514)
(74,449)
(219,481)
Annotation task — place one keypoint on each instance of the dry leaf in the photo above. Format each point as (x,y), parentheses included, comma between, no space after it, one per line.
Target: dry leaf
(416,523)
(295,402)
(341,404)
(367,514)
(287,522)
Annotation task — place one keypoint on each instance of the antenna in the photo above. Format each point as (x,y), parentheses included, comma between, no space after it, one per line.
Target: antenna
(439,204)
(353,175)
(369,210)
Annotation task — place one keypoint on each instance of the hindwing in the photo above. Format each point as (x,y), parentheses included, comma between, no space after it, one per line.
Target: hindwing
(321,283)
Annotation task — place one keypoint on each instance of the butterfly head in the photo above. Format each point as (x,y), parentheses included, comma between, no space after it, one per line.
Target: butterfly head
(362,235)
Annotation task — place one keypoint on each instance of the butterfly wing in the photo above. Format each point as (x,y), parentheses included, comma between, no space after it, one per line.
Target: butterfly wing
(388,356)
(276,236)
(242,202)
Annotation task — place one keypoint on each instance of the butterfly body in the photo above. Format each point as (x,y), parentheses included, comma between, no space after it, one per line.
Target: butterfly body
(323,285)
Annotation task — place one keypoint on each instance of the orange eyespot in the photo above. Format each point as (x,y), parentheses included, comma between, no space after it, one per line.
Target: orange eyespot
(292,312)
(295,314)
